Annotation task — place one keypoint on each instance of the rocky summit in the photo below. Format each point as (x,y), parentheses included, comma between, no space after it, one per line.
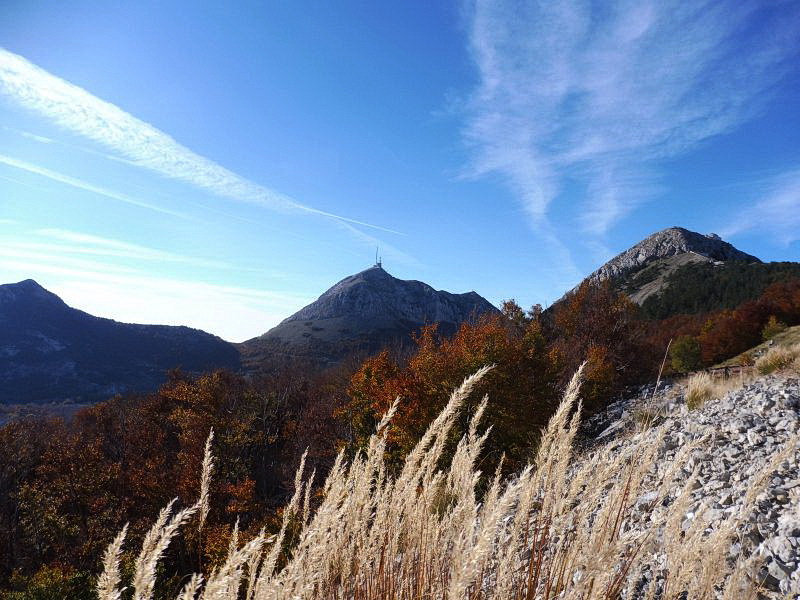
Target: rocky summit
(644,269)
(742,451)
(669,242)
(50,352)
(361,314)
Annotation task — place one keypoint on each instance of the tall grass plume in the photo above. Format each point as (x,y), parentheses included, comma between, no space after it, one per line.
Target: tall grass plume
(778,358)
(560,528)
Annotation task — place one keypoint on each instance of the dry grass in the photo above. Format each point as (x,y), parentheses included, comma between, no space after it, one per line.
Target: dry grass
(558,529)
(779,358)
(699,390)
(702,387)
(646,417)
(790,337)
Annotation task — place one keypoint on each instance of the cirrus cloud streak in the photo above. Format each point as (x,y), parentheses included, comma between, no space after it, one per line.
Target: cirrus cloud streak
(139,143)
(592,95)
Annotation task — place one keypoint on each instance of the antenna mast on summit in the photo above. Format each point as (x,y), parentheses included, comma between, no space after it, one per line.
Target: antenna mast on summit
(377,258)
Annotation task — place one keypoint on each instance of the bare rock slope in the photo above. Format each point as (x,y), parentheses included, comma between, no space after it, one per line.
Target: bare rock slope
(670,242)
(362,313)
(742,450)
(643,270)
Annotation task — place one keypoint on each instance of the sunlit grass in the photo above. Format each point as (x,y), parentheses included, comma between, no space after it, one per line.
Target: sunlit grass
(560,528)
(778,358)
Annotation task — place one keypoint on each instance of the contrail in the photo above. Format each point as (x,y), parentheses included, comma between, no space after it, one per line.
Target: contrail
(80,112)
(83,185)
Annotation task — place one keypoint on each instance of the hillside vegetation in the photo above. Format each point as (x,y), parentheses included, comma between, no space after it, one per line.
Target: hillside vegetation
(567,526)
(68,488)
(786,338)
(701,287)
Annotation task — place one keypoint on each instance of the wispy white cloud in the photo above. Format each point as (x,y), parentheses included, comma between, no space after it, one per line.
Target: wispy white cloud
(87,271)
(80,112)
(16,181)
(36,138)
(235,313)
(83,243)
(28,135)
(388,251)
(7,222)
(83,149)
(34,254)
(776,211)
(84,185)
(593,94)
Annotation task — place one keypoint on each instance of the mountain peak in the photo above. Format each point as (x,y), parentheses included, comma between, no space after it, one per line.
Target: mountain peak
(26,285)
(376,271)
(704,241)
(375,293)
(363,312)
(672,241)
(26,290)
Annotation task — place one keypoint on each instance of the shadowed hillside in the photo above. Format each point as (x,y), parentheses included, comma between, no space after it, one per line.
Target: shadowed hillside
(52,352)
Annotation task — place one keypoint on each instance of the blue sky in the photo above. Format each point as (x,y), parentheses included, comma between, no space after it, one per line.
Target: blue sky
(192,163)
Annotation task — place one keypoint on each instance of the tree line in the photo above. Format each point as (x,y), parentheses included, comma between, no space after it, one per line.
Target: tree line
(67,487)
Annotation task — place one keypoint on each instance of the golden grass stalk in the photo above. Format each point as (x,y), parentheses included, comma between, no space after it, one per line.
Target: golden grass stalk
(699,390)
(205,479)
(156,542)
(777,358)
(561,528)
(190,589)
(109,580)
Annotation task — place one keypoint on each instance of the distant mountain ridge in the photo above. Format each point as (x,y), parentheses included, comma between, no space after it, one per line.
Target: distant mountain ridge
(50,352)
(644,269)
(669,242)
(375,294)
(363,313)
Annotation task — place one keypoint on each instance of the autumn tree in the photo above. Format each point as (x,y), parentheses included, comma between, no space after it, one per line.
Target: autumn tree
(521,387)
(22,446)
(729,332)
(594,323)
(772,328)
(66,489)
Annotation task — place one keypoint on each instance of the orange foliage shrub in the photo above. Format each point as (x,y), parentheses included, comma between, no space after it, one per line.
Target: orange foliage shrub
(598,324)
(522,385)
(67,488)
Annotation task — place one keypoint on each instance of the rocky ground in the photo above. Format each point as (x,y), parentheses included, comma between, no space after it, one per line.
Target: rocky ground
(670,242)
(743,443)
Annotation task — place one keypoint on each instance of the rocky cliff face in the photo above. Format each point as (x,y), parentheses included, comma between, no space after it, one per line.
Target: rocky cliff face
(643,270)
(50,352)
(670,242)
(362,314)
(375,294)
